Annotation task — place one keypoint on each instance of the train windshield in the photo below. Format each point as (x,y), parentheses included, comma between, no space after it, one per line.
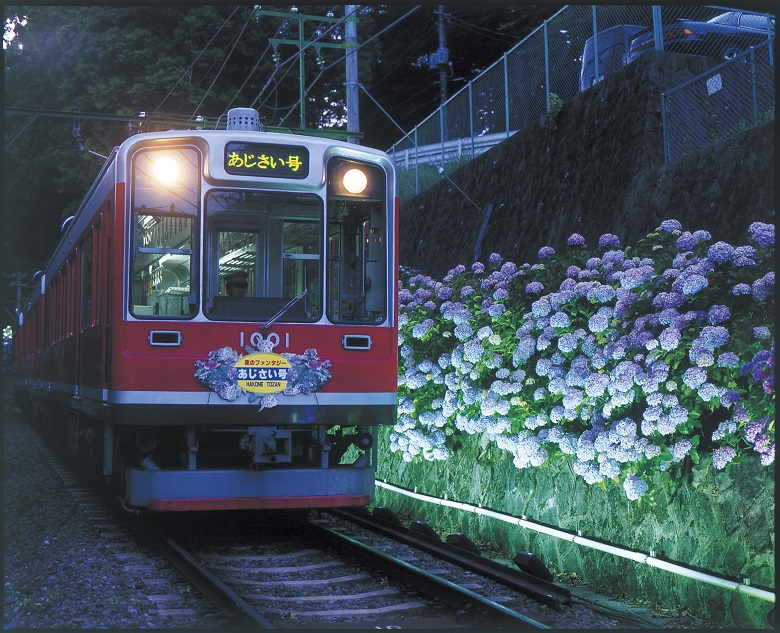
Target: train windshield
(165,203)
(263,255)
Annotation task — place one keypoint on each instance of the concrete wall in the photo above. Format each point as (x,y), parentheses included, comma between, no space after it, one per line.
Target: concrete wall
(596,167)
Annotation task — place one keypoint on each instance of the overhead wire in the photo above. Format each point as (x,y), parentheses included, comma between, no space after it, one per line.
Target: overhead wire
(189,68)
(224,63)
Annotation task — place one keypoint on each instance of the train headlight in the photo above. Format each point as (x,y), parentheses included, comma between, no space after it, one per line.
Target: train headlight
(165,170)
(355,181)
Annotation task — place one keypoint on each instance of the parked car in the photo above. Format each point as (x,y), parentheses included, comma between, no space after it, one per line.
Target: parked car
(725,36)
(613,46)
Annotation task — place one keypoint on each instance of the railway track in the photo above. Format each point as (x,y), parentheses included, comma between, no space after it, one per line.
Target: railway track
(329,569)
(325,578)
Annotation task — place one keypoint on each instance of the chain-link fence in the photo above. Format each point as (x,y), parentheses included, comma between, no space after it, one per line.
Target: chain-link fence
(728,99)
(568,53)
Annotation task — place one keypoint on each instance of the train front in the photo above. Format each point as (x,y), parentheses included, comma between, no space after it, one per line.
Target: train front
(257,352)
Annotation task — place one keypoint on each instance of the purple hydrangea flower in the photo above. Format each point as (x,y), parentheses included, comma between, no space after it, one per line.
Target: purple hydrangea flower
(608,239)
(669,226)
(462,331)
(740,289)
(686,242)
(728,360)
(536,287)
(495,258)
(546,251)
(575,239)
(721,252)
(560,320)
(668,300)
(695,377)
(762,234)
(478,268)
(444,293)
(723,456)
(718,314)
(634,487)
(761,332)
(693,284)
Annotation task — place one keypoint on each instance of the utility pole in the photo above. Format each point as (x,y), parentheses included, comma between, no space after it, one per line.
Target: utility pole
(353,112)
(302,44)
(442,54)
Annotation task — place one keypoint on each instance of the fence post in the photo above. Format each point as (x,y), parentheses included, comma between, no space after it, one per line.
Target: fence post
(506,96)
(471,118)
(658,31)
(769,37)
(753,82)
(664,124)
(416,164)
(546,67)
(595,46)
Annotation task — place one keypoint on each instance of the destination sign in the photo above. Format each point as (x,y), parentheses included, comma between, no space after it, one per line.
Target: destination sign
(265,159)
(263,372)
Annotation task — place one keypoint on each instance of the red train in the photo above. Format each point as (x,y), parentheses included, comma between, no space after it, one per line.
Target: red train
(217,328)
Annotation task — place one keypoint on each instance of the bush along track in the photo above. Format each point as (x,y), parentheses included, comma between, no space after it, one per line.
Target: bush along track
(625,361)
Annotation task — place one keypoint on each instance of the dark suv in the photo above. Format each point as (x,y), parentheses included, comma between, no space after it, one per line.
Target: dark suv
(613,46)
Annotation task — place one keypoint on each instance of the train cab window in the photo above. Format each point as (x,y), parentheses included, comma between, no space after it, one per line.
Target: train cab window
(166,201)
(357,243)
(263,256)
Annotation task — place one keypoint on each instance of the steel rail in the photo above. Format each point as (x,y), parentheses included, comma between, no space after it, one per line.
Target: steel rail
(423,581)
(223,597)
(546,592)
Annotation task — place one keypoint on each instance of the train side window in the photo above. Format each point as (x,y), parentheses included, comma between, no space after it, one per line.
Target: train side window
(166,203)
(86,282)
(357,243)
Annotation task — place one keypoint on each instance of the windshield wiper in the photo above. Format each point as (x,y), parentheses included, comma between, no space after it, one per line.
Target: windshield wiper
(284,309)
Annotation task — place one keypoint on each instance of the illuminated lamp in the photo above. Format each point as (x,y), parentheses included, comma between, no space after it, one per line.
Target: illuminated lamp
(165,170)
(355,181)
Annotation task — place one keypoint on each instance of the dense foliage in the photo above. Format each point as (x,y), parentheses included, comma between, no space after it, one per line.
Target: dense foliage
(625,361)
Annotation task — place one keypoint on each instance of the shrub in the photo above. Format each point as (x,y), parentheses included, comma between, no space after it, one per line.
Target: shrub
(627,362)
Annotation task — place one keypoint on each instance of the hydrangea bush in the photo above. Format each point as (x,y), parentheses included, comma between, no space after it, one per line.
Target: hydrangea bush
(627,362)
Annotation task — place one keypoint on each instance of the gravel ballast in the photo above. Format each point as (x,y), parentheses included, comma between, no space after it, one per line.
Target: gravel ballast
(67,564)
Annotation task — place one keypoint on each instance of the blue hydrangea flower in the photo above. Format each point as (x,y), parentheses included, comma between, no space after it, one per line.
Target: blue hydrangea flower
(761,332)
(670,226)
(740,289)
(560,320)
(495,258)
(462,331)
(680,449)
(718,314)
(444,293)
(693,284)
(694,377)
(762,234)
(634,487)
(546,251)
(722,456)
(575,239)
(536,287)
(666,300)
(608,239)
(728,360)
(721,252)
(686,241)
